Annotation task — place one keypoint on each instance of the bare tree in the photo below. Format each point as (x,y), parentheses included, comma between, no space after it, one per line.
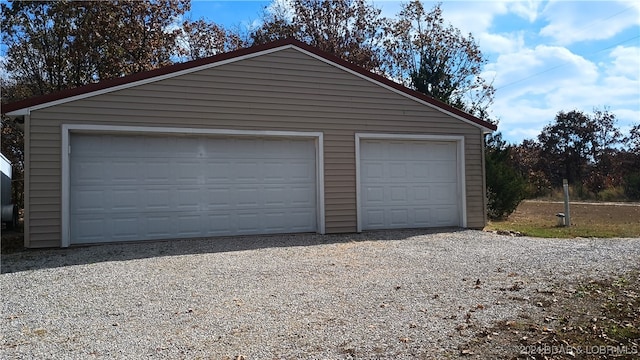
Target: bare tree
(202,38)
(437,59)
(350,29)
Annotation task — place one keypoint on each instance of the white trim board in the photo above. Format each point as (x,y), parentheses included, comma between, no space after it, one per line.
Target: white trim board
(68,129)
(458,139)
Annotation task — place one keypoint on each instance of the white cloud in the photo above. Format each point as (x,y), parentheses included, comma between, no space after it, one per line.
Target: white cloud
(540,69)
(281,7)
(573,21)
(626,62)
(535,83)
(500,43)
(526,9)
(474,17)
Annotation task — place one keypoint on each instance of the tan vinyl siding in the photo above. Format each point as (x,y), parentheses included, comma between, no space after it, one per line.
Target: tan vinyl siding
(286,90)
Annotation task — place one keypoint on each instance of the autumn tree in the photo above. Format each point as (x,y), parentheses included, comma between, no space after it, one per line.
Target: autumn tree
(53,45)
(581,148)
(629,163)
(567,146)
(437,59)
(632,141)
(349,29)
(527,160)
(202,38)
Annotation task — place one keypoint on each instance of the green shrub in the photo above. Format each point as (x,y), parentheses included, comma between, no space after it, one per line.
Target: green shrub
(632,186)
(612,194)
(505,186)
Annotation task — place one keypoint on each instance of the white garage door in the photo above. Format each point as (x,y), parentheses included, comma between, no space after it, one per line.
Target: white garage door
(409,184)
(125,188)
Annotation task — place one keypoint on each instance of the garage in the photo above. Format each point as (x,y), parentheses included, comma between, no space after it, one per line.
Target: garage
(276,138)
(410,182)
(144,187)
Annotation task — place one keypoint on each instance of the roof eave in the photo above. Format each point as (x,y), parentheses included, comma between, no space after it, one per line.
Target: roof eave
(19,112)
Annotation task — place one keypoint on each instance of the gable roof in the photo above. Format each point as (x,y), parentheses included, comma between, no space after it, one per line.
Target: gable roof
(24,107)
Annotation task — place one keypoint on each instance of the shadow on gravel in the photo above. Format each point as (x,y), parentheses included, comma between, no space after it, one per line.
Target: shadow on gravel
(35,259)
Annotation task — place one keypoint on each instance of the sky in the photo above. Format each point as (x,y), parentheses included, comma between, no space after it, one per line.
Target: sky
(543,56)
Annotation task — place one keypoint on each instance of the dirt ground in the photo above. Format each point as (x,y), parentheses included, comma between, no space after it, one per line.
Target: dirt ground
(581,213)
(590,319)
(602,220)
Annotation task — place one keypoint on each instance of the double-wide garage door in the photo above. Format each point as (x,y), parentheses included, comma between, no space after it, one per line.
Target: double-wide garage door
(409,184)
(125,188)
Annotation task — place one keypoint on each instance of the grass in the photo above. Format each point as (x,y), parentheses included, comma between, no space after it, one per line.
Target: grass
(537,218)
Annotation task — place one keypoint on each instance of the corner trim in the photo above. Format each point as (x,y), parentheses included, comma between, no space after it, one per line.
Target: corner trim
(27,180)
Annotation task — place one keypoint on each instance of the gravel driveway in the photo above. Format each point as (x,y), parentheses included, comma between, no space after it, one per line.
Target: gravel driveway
(392,294)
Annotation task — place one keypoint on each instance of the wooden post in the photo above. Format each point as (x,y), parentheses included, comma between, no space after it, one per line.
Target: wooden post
(567,213)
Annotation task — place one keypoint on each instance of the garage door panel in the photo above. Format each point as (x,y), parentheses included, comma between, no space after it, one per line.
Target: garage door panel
(247,171)
(300,171)
(373,171)
(273,171)
(189,225)
(443,193)
(189,172)
(443,151)
(421,194)
(124,172)
(274,195)
(200,186)
(156,200)
(89,200)
(188,198)
(87,172)
(398,170)
(398,194)
(375,194)
(123,200)
(218,198)
(422,217)
(219,171)
(275,221)
(158,225)
(247,222)
(442,170)
(406,184)
(246,197)
(444,216)
(91,228)
(298,196)
(220,224)
(398,217)
(157,172)
(125,228)
(374,218)
(304,220)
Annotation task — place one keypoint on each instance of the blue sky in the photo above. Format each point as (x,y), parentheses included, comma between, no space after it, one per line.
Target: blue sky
(544,56)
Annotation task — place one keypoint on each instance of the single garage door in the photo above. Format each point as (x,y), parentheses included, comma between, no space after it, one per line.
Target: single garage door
(409,184)
(125,188)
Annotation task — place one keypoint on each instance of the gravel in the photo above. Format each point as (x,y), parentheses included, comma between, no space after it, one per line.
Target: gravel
(391,294)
